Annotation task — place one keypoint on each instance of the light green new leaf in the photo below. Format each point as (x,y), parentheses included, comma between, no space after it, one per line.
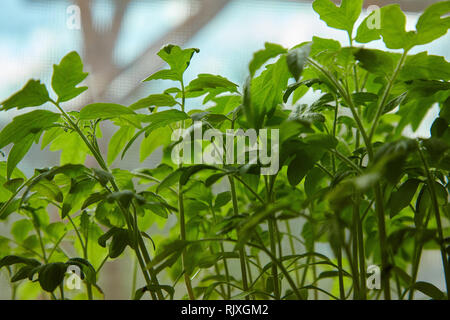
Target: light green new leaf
(166,117)
(391,26)
(178,60)
(389,22)
(205,82)
(343,17)
(104,111)
(271,50)
(154,100)
(425,66)
(118,142)
(74,150)
(18,151)
(33,94)
(263,93)
(160,137)
(25,124)
(157,120)
(21,228)
(67,75)
(431,25)
(163,75)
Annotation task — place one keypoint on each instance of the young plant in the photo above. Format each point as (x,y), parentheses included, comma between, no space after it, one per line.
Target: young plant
(340,195)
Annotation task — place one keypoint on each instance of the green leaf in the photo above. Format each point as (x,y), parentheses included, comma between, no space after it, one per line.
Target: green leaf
(299,167)
(392,29)
(178,60)
(104,111)
(293,87)
(265,92)
(425,66)
(159,137)
(190,171)
(303,113)
(74,150)
(120,240)
(18,151)
(296,60)
(154,288)
(271,50)
(48,189)
(167,250)
(13,184)
(23,273)
(376,61)
(79,190)
(88,271)
(222,199)
(67,75)
(304,154)
(429,289)
(11,260)
(401,198)
(163,75)
(56,230)
(154,100)
(361,98)
(343,17)
(163,118)
(33,94)
(118,142)
(205,81)
(20,229)
(26,124)
(52,275)
(431,24)
(157,120)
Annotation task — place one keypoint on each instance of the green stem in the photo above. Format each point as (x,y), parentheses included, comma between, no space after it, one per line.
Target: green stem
(225,263)
(85,254)
(126,214)
(362,261)
(291,244)
(187,279)
(382,102)
(242,255)
(379,208)
(437,217)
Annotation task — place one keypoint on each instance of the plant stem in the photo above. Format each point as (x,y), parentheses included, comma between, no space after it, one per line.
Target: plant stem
(382,102)
(187,279)
(242,255)
(362,261)
(128,218)
(85,254)
(437,216)
(291,244)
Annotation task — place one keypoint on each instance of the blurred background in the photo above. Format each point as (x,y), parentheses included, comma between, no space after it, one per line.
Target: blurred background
(119,39)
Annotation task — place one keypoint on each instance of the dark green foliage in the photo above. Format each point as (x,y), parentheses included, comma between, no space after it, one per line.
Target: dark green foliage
(348,180)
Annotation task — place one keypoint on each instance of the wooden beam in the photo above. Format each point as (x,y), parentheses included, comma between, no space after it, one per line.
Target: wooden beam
(146,63)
